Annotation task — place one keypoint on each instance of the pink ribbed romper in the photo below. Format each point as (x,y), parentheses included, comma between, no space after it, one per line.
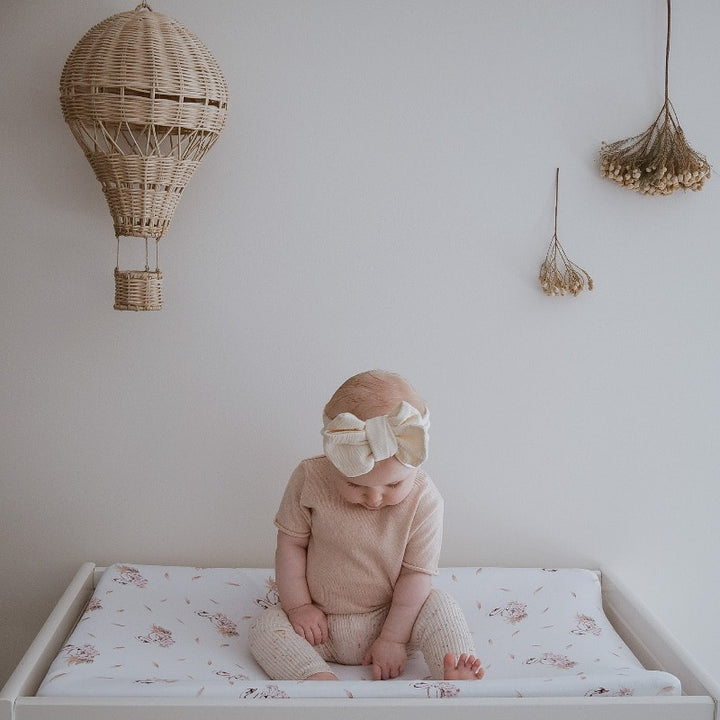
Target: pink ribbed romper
(354,558)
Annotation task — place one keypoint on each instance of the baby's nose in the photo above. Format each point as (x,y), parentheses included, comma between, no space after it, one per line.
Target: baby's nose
(374,498)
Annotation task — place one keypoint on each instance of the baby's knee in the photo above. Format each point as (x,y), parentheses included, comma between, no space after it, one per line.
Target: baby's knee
(439,612)
(438,601)
(271,621)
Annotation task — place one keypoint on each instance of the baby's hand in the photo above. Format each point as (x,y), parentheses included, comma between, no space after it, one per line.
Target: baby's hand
(388,659)
(309,622)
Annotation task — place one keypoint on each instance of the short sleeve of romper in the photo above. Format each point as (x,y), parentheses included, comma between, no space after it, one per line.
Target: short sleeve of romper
(292,517)
(354,555)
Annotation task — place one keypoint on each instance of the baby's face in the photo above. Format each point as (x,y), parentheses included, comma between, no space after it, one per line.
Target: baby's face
(388,483)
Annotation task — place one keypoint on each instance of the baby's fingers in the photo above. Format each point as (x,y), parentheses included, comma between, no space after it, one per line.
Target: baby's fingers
(305,632)
(314,635)
(323,631)
(376,669)
(385,672)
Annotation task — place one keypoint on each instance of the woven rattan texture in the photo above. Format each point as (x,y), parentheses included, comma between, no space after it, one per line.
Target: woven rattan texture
(145,100)
(138,289)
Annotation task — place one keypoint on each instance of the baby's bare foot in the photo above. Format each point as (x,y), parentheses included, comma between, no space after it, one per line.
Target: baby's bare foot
(467,667)
(322,676)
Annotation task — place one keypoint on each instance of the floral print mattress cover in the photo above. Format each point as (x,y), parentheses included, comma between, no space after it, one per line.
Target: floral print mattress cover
(182,632)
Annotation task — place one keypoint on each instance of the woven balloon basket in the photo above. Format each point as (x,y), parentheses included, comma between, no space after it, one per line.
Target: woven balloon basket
(145,100)
(138,289)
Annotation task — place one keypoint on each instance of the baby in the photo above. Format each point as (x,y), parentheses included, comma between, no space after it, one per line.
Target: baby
(359,534)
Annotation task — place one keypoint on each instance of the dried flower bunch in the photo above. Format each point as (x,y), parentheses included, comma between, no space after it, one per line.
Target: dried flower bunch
(560,280)
(658,161)
(558,274)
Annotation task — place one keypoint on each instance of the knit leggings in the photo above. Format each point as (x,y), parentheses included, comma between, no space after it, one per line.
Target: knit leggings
(440,628)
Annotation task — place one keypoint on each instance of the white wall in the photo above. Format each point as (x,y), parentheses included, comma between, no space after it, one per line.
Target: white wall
(382,197)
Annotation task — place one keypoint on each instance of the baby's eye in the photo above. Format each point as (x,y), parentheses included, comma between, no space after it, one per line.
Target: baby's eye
(395,484)
(353,485)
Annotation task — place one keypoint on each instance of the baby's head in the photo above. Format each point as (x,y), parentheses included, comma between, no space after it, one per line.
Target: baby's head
(373,393)
(376,434)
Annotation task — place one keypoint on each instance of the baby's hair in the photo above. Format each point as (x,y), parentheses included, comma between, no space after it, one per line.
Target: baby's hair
(372,393)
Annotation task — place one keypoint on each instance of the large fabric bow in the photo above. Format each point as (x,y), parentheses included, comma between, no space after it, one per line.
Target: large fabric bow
(354,446)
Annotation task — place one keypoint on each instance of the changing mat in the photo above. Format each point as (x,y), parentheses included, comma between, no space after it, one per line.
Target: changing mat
(182,632)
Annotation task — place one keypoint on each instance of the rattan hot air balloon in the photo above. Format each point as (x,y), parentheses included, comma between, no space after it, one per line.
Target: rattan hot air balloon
(145,100)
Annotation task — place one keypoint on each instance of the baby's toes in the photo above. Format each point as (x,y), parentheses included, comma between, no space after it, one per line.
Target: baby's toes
(476,667)
(449,663)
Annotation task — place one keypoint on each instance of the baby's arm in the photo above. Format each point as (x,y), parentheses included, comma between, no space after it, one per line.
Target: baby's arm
(388,654)
(307,619)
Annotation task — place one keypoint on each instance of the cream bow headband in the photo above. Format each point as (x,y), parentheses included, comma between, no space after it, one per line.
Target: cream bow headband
(354,446)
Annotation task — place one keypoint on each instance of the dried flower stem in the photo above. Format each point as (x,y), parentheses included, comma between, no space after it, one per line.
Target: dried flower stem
(659,160)
(566,277)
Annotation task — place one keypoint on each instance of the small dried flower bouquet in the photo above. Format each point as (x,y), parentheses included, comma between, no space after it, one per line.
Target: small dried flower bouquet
(558,274)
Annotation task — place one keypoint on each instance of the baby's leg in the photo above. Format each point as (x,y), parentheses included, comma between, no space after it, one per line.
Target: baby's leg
(352,635)
(442,634)
(282,653)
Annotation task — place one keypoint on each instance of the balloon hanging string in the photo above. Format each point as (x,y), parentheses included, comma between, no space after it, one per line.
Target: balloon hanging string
(147,255)
(157,255)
